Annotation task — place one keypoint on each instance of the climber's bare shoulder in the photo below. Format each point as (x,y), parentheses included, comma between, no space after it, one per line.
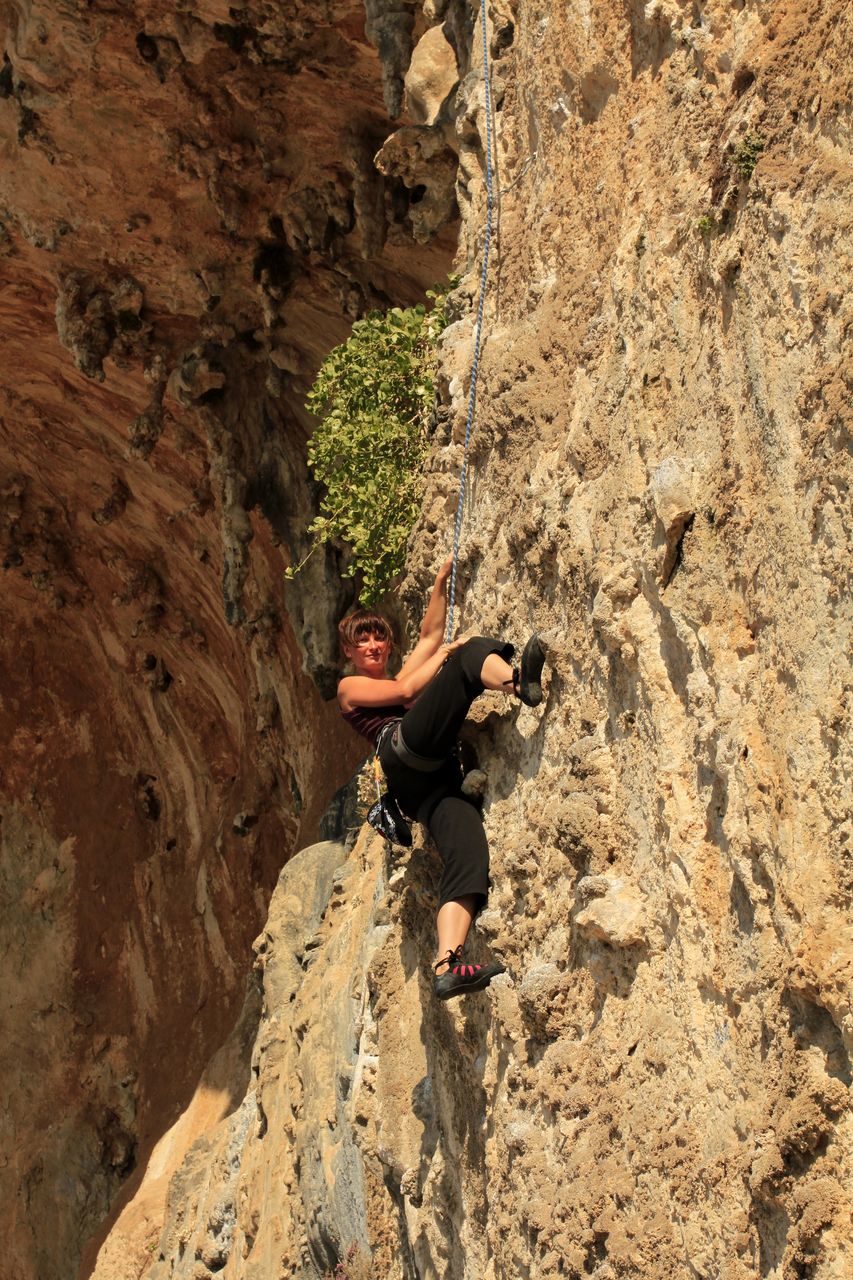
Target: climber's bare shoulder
(365,691)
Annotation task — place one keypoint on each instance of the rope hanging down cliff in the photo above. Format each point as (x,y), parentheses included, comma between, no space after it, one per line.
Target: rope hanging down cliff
(472,393)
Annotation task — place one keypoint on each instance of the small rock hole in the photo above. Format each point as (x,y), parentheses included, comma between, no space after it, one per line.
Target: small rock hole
(243,823)
(146,796)
(6,81)
(742,80)
(248,339)
(503,38)
(234,37)
(146,47)
(273,266)
(213,396)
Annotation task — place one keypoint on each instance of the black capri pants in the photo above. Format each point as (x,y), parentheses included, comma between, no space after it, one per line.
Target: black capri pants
(430,729)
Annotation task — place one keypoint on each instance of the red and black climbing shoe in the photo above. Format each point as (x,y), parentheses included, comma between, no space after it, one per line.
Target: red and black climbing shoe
(460,977)
(528,684)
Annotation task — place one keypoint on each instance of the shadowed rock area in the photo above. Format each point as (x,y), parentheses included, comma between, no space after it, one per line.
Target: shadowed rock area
(660,1085)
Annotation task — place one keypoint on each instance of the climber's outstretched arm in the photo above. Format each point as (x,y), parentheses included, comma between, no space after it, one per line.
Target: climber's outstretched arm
(432,627)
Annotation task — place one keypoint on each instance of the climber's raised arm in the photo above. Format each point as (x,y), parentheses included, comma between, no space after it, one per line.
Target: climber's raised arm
(432,627)
(375,691)
(367,641)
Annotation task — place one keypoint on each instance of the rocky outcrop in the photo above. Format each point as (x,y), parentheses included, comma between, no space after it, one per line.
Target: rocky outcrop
(660,1085)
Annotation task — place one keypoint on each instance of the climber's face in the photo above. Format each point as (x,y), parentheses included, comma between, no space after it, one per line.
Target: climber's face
(369,655)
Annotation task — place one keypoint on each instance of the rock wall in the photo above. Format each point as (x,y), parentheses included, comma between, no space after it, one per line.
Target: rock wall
(661,1083)
(662,466)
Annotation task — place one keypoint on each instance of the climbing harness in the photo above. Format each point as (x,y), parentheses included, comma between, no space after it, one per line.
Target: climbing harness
(385,815)
(472,393)
(410,758)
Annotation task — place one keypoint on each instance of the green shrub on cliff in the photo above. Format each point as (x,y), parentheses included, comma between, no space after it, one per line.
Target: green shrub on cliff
(746,154)
(374,396)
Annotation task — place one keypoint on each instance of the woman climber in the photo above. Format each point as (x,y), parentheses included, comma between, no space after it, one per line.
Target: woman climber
(412,719)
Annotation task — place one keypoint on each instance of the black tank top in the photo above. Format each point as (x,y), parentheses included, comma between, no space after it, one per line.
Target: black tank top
(369,720)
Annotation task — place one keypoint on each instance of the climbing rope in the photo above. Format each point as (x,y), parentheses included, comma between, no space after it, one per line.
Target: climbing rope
(472,393)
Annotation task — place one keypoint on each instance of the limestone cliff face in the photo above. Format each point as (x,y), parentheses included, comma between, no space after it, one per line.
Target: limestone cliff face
(660,1086)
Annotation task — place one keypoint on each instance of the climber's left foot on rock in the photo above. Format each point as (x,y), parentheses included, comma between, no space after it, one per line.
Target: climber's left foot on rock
(526,679)
(528,683)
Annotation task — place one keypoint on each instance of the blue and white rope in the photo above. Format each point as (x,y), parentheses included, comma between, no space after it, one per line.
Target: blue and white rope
(472,394)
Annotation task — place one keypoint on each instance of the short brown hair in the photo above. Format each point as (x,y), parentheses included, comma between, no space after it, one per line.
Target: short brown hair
(364,622)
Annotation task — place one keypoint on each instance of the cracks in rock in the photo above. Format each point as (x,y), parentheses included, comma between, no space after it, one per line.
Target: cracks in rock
(29,124)
(368,191)
(7,79)
(675,547)
(118,1150)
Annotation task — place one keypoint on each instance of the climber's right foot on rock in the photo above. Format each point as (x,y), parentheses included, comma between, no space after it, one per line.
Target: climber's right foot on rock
(460,977)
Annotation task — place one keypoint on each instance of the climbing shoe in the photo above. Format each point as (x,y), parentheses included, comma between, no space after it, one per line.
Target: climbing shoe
(460,977)
(527,680)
